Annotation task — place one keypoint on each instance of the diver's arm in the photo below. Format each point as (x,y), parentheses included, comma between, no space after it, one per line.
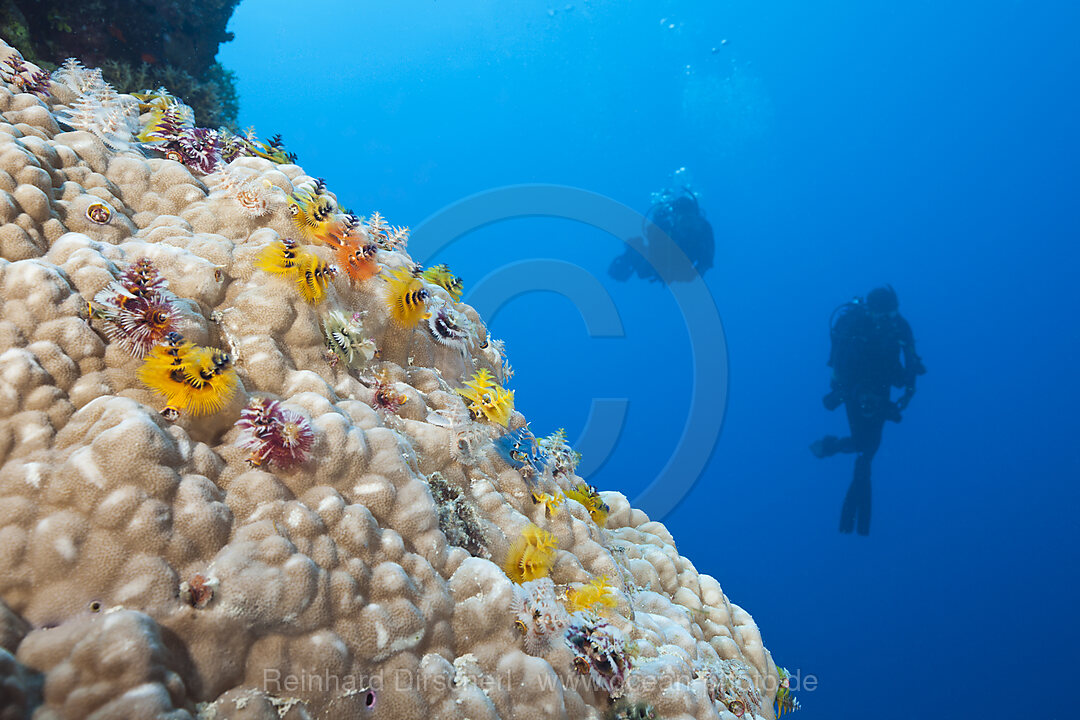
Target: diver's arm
(708,247)
(913,365)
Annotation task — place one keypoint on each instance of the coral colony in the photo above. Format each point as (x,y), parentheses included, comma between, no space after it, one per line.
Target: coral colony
(250,423)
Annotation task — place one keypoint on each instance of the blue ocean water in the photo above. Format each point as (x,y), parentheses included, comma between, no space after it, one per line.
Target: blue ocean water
(836,146)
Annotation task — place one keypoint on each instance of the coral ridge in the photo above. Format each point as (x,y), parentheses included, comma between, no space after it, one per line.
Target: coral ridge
(331,511)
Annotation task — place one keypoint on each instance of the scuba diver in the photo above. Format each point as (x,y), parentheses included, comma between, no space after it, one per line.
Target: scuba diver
(868,338)
(676,214)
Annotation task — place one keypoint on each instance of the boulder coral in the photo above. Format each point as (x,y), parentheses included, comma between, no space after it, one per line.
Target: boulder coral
(150,569)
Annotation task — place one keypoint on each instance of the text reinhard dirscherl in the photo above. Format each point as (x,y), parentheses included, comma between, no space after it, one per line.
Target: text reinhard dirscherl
(276,682)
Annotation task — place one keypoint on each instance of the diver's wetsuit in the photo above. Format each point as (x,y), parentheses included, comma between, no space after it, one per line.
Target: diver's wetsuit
(865,358)
(866,418)
(651,257)
(684,223)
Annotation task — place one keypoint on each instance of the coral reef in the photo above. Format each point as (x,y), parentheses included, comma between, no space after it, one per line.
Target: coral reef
(311,529)
(600,652)
(541,618)
(138,45)
(458,518)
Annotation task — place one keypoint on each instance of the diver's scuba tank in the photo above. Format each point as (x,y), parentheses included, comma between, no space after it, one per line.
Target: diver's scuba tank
(843,336)
(662,212)
(855,304)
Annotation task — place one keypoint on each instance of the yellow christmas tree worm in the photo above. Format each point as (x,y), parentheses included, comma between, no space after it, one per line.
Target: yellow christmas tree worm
(531,555)
(197,379)
(590,498)
(487,399)
(595,596)
(440,275)
(406,297)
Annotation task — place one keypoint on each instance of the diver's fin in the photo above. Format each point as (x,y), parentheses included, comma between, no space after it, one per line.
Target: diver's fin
(826,446)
